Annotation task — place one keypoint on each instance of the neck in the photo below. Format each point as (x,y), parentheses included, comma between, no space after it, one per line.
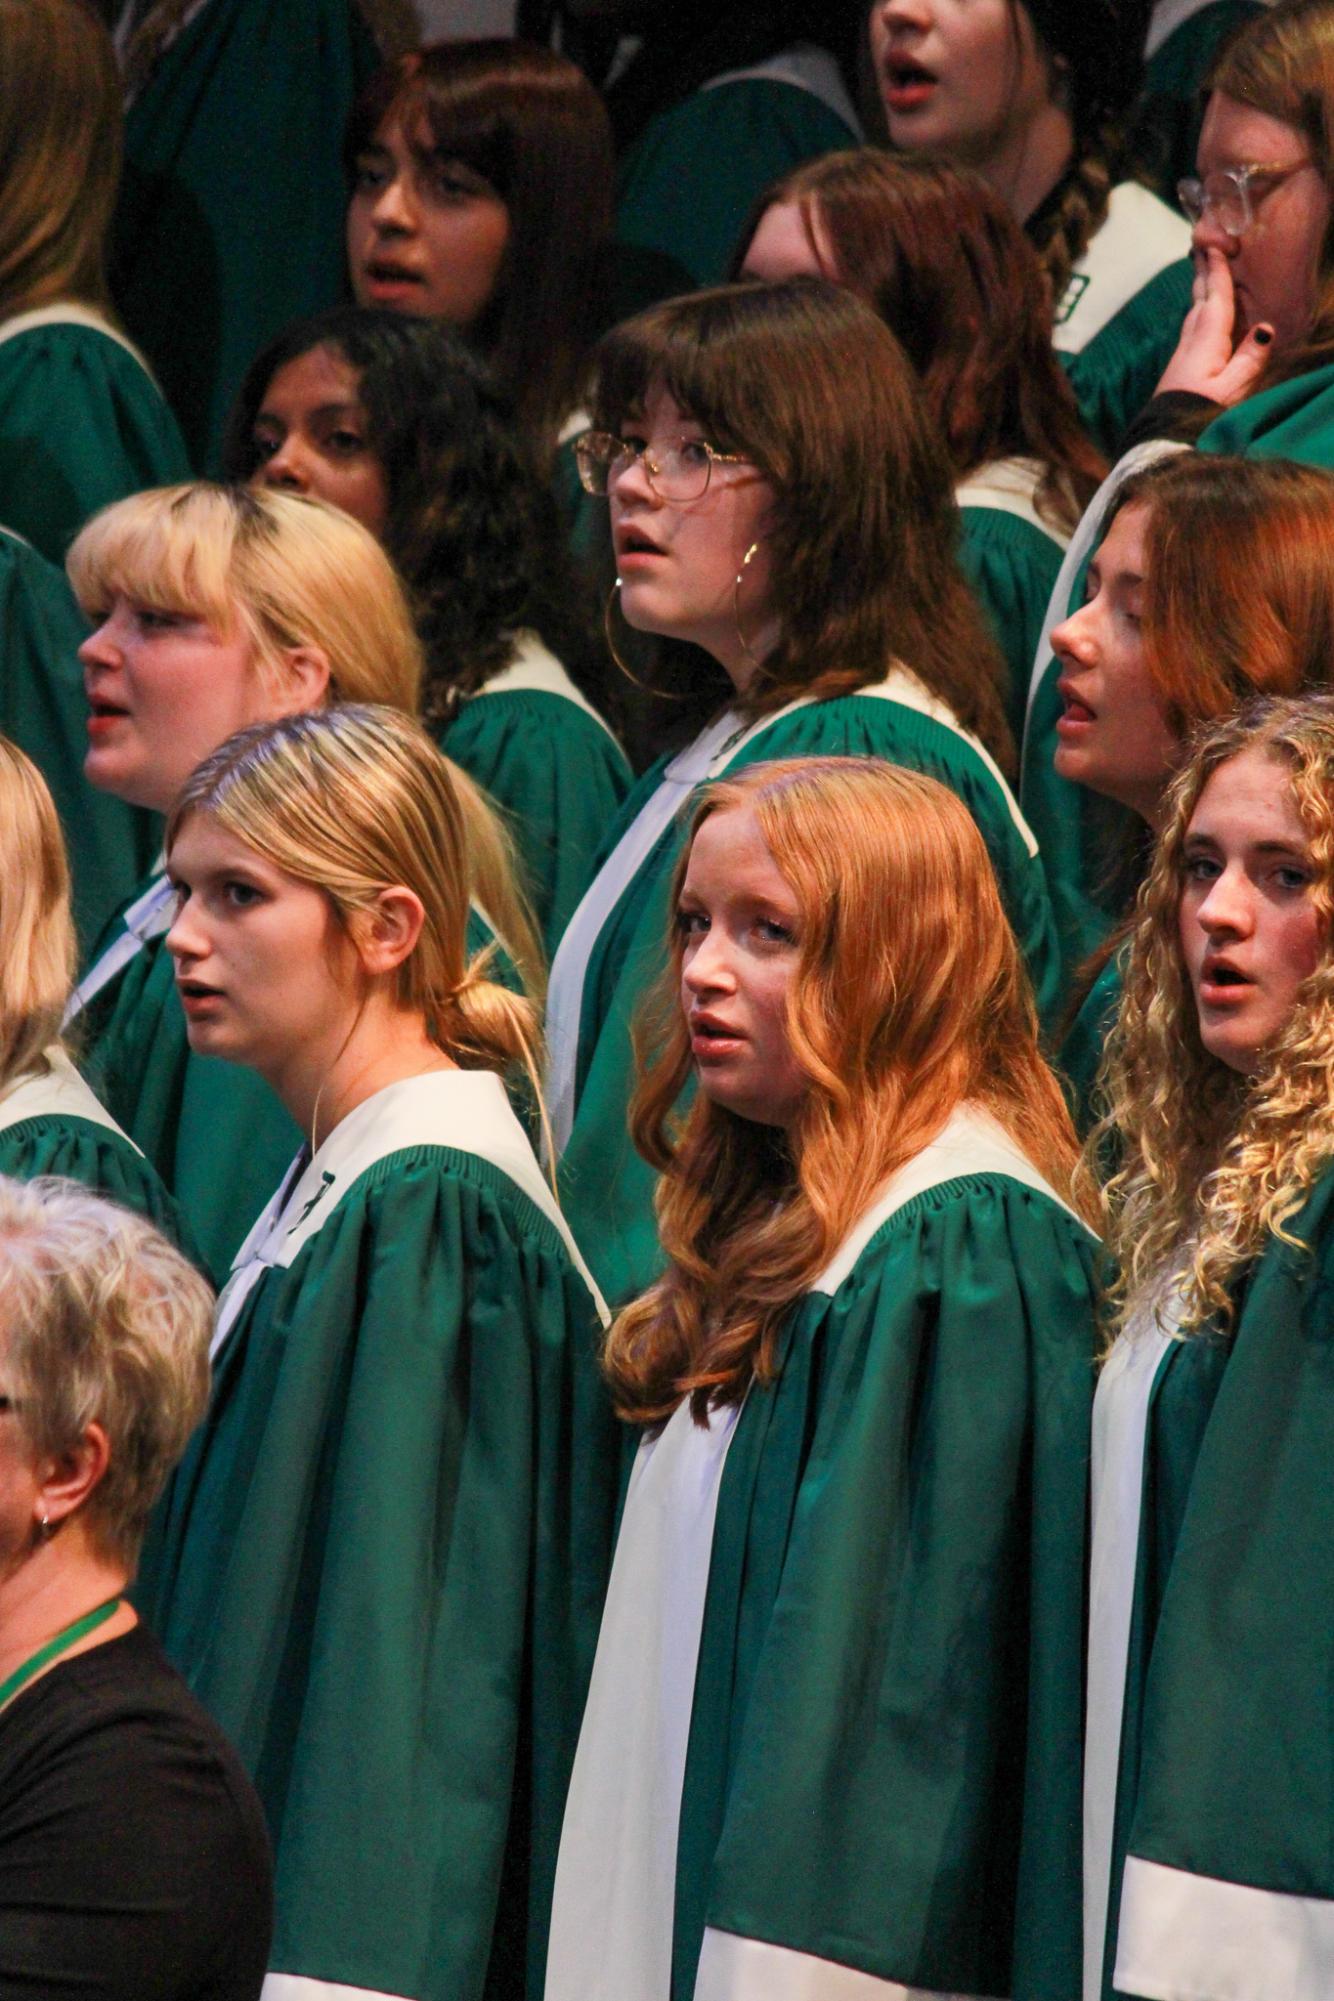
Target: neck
(1029,162)
(386,1045)
(740,665)
(59,1582)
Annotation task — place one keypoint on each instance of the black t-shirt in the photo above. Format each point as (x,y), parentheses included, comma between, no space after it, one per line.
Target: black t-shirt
(134,1861)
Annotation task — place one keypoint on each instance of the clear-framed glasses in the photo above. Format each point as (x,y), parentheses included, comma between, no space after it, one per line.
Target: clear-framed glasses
(1226,196)
(679,469)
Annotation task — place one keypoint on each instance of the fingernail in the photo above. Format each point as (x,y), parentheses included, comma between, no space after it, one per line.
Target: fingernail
(1263,336)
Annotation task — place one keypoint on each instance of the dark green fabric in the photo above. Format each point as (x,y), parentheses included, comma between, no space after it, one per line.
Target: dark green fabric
(884,1757)
(606,1189)
(1293,421)
(687,185)
(1166,121)
(1012,567)
(1086,1038)
(215,1131)
(81,425)
(560,778)
(44,711)
(1116,374)
(97,1158)
(233,200)
(1238,1767)
(381,1566)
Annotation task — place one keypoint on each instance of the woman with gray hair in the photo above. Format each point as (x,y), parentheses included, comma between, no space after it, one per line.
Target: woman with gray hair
(133,1856)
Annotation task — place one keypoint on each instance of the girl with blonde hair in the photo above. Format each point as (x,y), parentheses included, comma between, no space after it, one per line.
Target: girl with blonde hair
(81,419)
(381,1561)
(50,1120)
(215,607)
(850,1558)
(1207,1801)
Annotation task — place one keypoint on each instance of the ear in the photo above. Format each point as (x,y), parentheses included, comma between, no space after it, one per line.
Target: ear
(387,933)
(70,1477)
(309,679)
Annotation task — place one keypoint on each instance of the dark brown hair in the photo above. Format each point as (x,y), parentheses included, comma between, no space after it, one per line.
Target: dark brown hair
(532,125)
(937,253)
(807,383)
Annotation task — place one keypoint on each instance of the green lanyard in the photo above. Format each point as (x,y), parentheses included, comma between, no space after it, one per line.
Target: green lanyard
(36,1662)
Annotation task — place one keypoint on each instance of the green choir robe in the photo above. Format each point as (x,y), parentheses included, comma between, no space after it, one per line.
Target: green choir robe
(233,200)
(1119,321)
(43,709)
(1208,1796)
(831,1746)
(1184,38)
(51,1123)
(687,185)
(381,1562)
(1011,557)
(216,1133)
(1085,1039)
(82,423)
(545,756)
(615,947)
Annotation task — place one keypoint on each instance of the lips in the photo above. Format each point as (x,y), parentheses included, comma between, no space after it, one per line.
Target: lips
(1223,984)
(1077,711)
(908,84)
(103,715)
(712,1038)
(631,543)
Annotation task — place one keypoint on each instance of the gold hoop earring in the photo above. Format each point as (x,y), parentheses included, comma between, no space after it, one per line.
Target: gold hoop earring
(742,641)
(658,694)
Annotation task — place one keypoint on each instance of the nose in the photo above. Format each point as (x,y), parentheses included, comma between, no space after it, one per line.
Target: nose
(707,969)
(285,468)
(100,648)
(1227,910)
(631,485)
(185,940)
(1074,640)
(902,13)
(393,210)
(1209,234)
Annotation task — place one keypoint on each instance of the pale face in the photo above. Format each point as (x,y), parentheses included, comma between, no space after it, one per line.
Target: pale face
(1250,931)
(424,236)
(960,77)
(163,691)
(678,561)
(311,436)
(1274,262)
(1113,735)
(784,246)
(265,974)
(740,926)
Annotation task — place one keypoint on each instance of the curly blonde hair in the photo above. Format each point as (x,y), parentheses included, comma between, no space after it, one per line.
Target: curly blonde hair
(909,997)
(1212,1163)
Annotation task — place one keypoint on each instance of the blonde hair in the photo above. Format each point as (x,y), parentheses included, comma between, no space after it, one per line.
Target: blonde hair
(60,146)
(1213,1163)
(909,997)
(101,1321)
(280,570)
(38,953)
(354,801)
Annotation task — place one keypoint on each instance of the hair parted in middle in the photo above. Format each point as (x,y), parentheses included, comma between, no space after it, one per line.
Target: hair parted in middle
(352,801)
(940,257)
(38,952)
(1211,1163)
(805,381)
(909,997)
(280,569)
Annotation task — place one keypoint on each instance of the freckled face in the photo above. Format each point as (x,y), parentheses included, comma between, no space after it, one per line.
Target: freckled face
(1250,930)
(740,921)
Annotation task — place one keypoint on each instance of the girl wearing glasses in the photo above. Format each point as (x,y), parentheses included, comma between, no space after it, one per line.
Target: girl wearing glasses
(1208,1801)
(381,1562)
(937,254)
(779,501)
(1034,95)
(831,1741)
(394,420)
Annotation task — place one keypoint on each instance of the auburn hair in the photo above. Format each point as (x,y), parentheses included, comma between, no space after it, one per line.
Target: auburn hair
(807,382)
(939,256)
(909,997)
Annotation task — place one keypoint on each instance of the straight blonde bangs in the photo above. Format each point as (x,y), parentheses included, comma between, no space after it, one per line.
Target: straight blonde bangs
(37,944)
(280,570)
